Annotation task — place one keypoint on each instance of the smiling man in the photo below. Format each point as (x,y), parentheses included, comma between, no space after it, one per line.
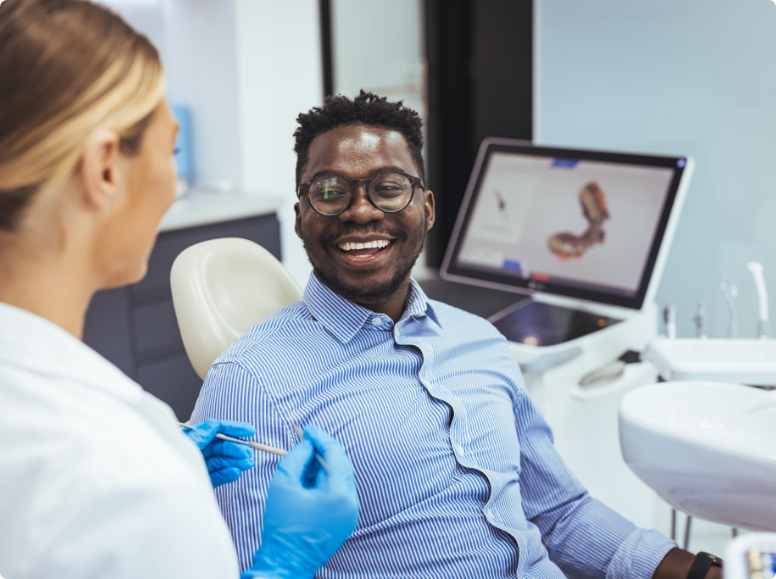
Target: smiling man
(456,471)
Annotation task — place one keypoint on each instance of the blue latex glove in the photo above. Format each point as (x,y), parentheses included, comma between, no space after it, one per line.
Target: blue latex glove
(225,460)
(309,514)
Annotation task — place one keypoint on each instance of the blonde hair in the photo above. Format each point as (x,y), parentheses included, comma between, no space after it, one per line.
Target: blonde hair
(69,67)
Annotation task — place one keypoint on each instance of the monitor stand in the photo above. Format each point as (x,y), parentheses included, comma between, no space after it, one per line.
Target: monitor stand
(535,323)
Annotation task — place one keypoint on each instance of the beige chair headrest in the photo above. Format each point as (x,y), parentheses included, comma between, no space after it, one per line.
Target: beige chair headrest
(220,289)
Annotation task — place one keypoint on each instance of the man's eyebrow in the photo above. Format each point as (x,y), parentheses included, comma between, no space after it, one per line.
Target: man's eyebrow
(334,172)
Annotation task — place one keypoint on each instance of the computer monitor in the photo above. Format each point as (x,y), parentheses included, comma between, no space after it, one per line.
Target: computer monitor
(590,225)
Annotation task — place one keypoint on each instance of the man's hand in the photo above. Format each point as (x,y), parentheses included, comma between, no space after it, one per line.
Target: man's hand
(676,565)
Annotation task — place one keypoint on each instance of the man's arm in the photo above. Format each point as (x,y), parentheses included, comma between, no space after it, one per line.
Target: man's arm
(585,538)
(232,393)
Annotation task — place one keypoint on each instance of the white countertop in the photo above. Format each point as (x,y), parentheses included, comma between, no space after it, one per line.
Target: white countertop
(203,207)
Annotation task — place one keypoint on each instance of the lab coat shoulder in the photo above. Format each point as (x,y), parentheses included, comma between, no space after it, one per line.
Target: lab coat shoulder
(98,482)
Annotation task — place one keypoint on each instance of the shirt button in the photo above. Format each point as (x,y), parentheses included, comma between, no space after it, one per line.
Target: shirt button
(488,513)
(376,321)
(460,449)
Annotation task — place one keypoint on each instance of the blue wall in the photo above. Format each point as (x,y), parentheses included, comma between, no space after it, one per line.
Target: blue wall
(695,77)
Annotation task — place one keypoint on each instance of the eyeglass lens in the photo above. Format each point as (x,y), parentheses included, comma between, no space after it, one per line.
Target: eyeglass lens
(331,195)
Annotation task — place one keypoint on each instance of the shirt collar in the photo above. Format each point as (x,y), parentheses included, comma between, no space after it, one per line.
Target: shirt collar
(344,318)
(39,346)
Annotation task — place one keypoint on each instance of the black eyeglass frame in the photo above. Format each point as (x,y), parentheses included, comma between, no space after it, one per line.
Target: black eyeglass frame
(305,188)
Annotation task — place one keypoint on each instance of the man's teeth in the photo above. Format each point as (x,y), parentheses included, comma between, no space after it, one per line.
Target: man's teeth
(378,244)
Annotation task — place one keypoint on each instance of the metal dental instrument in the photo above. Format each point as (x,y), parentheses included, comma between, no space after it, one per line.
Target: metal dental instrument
(318,457)
(256,445)
(669,319)
(729,292)
(264,447)
(611,370)
(700,322)
(762,322)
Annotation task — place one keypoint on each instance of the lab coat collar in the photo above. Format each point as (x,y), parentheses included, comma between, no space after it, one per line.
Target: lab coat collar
(37,345)
(344,318)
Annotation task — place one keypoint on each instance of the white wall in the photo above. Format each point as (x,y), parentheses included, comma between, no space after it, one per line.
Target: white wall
(279,71)
(196,41)
(203,75)
(246,68)
(694,77)
(377,45)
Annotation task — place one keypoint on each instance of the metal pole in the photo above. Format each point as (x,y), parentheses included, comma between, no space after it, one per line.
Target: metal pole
(687,533)
(673,524)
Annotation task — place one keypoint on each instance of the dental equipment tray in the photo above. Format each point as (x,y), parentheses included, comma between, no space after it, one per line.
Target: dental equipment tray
(751,362)
(535,323)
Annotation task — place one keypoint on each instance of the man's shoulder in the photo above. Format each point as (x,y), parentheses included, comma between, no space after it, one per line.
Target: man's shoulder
(281,333)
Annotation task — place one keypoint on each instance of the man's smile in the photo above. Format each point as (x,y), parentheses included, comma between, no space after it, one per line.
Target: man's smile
(362,254)
(363,247)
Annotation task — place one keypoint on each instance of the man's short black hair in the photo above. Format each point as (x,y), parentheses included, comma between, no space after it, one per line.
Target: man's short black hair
(366,109)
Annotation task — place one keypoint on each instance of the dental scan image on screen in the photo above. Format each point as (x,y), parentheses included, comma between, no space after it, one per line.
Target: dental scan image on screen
(581,223)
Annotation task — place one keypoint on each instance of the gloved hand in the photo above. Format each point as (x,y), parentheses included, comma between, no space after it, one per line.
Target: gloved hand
(309,514)
(225,460)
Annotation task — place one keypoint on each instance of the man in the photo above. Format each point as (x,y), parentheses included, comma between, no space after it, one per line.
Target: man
(456,471)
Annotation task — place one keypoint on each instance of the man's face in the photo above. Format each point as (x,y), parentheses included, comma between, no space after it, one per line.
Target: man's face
(372,275)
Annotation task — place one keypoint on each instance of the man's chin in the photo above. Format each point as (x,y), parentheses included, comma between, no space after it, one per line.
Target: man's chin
(367,291)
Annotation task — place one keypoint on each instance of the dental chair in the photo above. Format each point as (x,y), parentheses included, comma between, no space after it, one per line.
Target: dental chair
(220,289)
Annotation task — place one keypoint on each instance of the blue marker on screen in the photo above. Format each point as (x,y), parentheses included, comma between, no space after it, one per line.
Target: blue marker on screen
(183,157)
(564,163)
(512,265)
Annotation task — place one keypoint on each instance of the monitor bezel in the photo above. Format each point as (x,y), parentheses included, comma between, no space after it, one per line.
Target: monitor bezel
(452,270)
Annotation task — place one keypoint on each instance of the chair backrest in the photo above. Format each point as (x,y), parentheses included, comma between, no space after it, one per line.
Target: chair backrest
(220,289)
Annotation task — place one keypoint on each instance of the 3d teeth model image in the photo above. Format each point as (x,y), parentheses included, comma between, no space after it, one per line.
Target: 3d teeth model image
(567,245)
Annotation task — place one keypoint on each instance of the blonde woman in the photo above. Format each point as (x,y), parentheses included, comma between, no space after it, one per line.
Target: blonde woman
(96,480)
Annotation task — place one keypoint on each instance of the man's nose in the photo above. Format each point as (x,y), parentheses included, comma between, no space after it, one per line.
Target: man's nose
(361,209)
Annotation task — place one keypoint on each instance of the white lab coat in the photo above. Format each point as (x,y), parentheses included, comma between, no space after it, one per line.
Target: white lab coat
(96,479)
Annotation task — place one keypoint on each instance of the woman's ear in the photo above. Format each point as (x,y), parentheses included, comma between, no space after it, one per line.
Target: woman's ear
(102,169)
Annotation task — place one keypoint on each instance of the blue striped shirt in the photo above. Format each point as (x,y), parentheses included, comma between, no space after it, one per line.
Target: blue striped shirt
(456,469)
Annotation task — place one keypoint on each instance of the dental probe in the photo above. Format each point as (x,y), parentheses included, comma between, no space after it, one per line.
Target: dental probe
(256,445)
(264,447)
(319,458)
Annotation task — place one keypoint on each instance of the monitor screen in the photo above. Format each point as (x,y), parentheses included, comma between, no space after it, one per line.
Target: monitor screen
(585,224)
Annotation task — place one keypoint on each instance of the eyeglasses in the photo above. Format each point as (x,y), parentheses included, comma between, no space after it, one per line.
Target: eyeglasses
(388,191)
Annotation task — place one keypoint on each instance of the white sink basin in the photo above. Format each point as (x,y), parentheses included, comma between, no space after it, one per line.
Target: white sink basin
(697,446)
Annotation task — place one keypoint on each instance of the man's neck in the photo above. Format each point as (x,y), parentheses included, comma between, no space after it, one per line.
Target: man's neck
(393,307)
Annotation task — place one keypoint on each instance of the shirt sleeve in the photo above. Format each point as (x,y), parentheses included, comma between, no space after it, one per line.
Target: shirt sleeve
(585,538)
(231,392)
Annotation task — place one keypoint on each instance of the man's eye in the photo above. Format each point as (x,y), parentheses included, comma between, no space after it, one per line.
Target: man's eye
(329,194)
(389,190)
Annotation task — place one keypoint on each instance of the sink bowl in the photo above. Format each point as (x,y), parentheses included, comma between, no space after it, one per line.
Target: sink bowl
(707,448)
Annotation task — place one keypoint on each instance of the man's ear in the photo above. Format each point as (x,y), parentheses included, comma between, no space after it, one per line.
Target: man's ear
(298,222)
(101,168)
(428,206)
